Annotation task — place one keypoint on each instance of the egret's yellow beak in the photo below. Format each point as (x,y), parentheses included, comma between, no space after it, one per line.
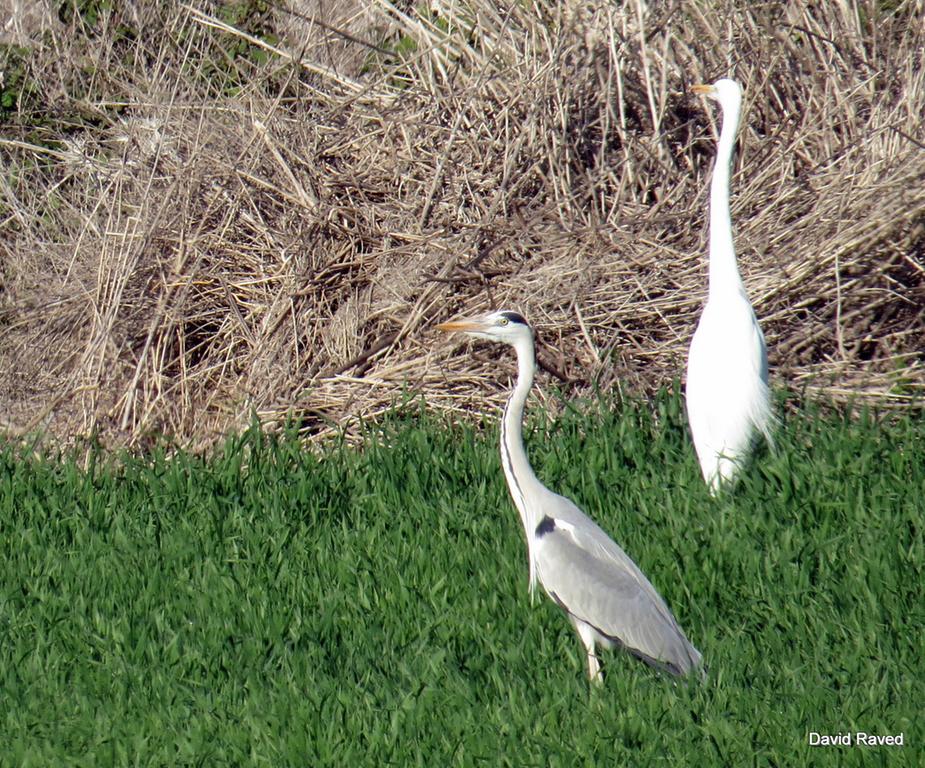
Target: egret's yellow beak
(461,325)
(703,90)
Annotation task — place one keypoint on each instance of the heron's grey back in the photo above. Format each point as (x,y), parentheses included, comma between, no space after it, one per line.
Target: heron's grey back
(595,581)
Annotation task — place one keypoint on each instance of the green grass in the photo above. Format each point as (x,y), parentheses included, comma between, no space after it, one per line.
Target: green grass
(272,607)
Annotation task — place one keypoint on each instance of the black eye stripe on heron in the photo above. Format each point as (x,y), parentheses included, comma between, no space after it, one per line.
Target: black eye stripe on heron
(515,317)
(607,598)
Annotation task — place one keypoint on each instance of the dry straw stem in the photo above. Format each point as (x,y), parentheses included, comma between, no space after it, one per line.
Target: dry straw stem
(211,233)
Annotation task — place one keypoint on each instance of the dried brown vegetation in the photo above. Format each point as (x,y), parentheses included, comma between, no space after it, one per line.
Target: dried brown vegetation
(210,210)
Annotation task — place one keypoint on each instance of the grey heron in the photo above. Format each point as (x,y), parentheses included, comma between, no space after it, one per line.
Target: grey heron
(606,596)
(727,396)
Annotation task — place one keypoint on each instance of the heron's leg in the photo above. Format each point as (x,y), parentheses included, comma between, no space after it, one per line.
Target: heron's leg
(586,633)
(594,669)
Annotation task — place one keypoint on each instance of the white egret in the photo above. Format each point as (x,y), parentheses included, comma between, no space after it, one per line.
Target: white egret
(607,598)
(728,402)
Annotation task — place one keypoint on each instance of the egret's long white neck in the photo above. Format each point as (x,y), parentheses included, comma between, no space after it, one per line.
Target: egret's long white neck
(724,272)
(521,480)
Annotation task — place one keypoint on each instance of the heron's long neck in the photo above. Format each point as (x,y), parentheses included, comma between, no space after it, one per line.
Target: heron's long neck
(724,272)
(522,482)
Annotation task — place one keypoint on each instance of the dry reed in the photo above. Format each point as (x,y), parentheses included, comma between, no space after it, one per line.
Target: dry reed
(211,232)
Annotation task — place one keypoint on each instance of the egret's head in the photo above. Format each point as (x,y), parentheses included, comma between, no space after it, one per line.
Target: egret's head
(505,326)
(727,92)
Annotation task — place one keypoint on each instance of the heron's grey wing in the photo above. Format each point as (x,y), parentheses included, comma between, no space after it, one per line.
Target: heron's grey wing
(595,581)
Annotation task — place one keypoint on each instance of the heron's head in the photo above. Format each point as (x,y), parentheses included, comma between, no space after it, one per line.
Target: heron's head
(505,326)
(727,92)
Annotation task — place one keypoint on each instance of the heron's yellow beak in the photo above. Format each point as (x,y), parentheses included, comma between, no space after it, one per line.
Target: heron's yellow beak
(461,325)
(703,90)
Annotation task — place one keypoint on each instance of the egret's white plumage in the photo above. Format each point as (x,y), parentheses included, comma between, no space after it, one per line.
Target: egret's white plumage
(607,598)
(728,402)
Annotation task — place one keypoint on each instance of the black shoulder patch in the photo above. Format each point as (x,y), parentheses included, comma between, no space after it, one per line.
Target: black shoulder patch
(547,525)
(515,317)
